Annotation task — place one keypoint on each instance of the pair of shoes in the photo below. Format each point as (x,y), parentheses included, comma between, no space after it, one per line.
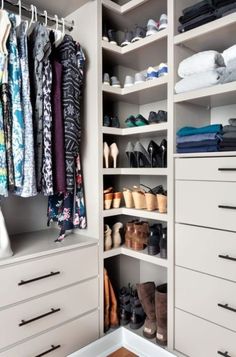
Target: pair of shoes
(131,310)
(109,35)
(136,234)
(113,81)
(111,199)
(110,153)
(159,117)
(154,302)
(112,237)
(154,156)
(133,36)
(110,121)
(155,236)
(110,305)
(153,27)
(153,73)
(137,79)
(133,121)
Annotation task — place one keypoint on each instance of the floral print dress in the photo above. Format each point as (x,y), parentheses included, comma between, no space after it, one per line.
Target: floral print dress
(3,161)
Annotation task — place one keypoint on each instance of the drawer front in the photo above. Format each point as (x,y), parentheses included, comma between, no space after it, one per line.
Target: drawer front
(209,169)
(216,250)
(198,338)
(208,297)
(29,318)
(56,271)
(209,204)
(61,341)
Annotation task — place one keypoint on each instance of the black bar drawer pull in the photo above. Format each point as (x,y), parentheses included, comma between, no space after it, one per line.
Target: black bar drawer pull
(227,207)
(24,282)
(225,354)
(227,307)
(53,311)
(227,169)
(53,348)
(227,257)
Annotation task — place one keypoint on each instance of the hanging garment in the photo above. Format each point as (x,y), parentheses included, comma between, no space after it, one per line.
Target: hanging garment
(3,162)
(16,107)
(29,180)
(58,151)
(38,47)
(47,175)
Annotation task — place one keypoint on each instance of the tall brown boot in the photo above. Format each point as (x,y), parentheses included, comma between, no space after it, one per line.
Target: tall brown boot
(146,294)
(106,302)
(114,321)
(161,314)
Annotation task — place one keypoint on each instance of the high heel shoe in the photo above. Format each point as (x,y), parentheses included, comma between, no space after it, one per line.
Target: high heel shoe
(142,156)
(114,152)
(154,151)
(130,154)
(163,147)
(106,153)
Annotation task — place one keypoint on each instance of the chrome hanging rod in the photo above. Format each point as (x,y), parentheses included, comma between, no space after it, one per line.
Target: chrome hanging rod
(68,25)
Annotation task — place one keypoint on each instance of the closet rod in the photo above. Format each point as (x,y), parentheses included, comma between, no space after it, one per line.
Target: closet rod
(68,25)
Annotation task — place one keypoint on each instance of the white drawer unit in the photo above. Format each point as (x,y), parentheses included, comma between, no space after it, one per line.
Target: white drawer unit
(196,337)
(31,278)
(206,169)
(206,250)
(61,341)
(211,298)
(37,315)
(209,204)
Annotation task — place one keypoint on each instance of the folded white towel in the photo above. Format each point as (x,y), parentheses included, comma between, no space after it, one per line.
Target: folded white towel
(229,54)
(200,62)
(200,80)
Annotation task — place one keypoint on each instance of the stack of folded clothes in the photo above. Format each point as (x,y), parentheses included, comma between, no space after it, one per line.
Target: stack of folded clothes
(203,12)
(229,73)
(204,139)
(228,142)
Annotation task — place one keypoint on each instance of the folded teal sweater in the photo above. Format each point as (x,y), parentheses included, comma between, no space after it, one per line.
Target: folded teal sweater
(188,130)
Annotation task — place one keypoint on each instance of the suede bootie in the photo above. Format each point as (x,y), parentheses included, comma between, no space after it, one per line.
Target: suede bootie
(161,314)
(107,238)
(146,293)
(116,236)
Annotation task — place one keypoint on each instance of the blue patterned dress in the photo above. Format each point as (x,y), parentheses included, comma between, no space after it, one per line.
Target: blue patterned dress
(3,161)
(17,112)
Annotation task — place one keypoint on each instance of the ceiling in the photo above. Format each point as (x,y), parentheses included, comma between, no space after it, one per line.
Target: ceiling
(60,7)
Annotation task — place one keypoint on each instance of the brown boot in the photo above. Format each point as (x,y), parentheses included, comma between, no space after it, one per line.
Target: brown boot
(146,231)
(161,314)
(146,293)
(114,321)
(106,302)
(129,231)
(138,236)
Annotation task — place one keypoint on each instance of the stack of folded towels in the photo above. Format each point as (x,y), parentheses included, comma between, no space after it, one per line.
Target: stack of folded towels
(203,12)
(206,69)
(204,139)
(228,142)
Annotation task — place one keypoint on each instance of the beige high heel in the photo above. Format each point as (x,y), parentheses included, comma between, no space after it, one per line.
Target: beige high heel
(151,201)
(116,199)
(114,152)
(139,198)
(108,198)
(162,203)
(128,197)
(106,153)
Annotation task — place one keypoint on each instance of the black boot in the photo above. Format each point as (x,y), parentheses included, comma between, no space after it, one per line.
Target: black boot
(154,239)
(138,314)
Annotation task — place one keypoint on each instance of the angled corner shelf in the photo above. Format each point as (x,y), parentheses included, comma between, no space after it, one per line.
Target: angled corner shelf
(215,96)
(147,92)
(217,35)
(122,9)
(155,215)
(152,130)
(141,255)
(137,171)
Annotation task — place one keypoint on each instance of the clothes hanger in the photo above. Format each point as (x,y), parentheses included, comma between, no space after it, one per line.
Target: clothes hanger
(57,32)
(32,20)
(18,17)
(5,28)
(62,33)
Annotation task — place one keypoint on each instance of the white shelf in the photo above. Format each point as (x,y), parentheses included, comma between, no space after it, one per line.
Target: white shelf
(141,255)
(37,244)
(151,129)
(58,6)
(217,35)
(122,9)
(154,215)
(215,96)
(137,171)
(207,154)
(147,92)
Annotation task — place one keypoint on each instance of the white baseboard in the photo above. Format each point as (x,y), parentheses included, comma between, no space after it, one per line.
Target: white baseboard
(122,338)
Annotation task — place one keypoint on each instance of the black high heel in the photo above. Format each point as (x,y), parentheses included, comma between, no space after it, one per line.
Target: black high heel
(163,148)
(142,156)
(155,154)
(131,155)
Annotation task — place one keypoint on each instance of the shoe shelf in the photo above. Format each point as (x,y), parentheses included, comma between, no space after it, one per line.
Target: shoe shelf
(122,9)
(147,92)
(141,255)
(217,35)
(154,215)
(137,171)
(215,96)
(138,130)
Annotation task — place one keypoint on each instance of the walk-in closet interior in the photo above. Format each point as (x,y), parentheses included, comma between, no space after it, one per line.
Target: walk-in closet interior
(117,178)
